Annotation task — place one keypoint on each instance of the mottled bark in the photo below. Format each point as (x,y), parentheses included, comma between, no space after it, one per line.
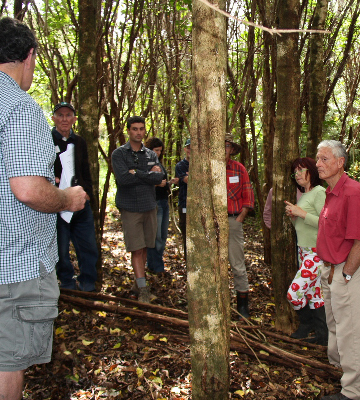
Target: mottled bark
(207,231)
(317,80)
(285,151)
(88,115)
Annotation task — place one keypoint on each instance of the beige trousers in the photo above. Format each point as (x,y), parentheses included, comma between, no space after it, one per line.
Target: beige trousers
(236,255)
(342,308)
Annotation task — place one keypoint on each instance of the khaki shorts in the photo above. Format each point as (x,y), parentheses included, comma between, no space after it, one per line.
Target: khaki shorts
(139,229)
(28,310)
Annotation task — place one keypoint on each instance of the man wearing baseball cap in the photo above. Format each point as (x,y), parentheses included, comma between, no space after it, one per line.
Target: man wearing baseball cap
(71,150)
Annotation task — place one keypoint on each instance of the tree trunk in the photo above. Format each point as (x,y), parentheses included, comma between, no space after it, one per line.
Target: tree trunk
(268,119)
(207,225)
(317,80)
(88,105)
(285,151)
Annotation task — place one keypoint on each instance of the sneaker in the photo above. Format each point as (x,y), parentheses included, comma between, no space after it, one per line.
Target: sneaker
(145,296)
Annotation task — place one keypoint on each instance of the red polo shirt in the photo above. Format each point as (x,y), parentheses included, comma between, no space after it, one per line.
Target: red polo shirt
(339,221)
(239,190)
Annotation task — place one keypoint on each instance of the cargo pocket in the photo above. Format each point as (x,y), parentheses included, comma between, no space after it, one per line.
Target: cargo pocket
(34,330)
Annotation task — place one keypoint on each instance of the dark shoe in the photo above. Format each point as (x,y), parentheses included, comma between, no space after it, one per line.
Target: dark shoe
(306,326)
(320,327)
(69,286)
(243,304)
(337,396)
(87,288)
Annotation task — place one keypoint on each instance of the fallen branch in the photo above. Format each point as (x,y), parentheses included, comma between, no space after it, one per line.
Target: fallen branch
(243,349)
(95,305)
(282,354)
(283,338)
(134,303)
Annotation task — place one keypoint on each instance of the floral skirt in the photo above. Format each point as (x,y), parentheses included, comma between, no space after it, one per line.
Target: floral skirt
(306,288)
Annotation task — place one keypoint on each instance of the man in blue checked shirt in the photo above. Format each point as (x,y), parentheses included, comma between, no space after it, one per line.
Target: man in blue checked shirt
(137,171)
(28,203)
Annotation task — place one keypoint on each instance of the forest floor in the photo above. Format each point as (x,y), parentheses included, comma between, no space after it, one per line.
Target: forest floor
(99,354)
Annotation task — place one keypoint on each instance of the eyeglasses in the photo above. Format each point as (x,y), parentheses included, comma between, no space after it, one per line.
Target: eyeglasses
(299,172)
(136,158)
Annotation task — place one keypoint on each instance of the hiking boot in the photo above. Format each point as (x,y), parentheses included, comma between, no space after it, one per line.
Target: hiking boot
(145,296)
(243,304)
(320,327)
(306,323)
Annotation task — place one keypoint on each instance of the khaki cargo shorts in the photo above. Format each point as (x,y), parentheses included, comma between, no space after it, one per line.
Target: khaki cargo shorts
(27,313)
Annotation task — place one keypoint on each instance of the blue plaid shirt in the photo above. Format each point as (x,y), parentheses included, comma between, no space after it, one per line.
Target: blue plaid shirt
(27,237)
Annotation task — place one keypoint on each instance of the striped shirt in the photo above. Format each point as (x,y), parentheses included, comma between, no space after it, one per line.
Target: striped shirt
(27,237)
(239,190)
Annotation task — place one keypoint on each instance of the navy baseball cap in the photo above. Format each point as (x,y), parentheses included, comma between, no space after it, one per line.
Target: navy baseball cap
(63,104)
(187,143)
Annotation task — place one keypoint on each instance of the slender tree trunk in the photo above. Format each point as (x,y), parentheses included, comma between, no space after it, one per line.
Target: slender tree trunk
(88,104)
(269,106)
(317,80)
(285,151)
(207,232)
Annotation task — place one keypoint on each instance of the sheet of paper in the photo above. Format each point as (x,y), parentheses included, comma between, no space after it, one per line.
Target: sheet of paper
(68,171)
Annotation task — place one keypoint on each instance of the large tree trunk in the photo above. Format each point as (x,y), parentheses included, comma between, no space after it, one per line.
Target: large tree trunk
(285,151)
(88,105)
(207,225)
(317,80)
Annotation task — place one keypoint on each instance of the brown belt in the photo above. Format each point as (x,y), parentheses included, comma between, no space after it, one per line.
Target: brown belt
(330,278)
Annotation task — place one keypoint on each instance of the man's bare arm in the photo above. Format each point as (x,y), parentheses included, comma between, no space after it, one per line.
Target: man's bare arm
(38,193)
(243,214)
(353,261)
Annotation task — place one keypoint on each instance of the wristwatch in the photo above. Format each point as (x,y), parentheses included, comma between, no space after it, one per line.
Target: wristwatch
(346,276)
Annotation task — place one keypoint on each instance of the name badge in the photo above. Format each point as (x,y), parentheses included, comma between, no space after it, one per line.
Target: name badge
(151,163)
(184,210)
(57,150)
(234,179)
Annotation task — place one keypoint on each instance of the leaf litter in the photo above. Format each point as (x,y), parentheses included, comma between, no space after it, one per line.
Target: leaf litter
(101,355)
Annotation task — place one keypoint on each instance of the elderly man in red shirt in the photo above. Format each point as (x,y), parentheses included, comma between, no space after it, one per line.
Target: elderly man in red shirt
(240,199)
(338,244)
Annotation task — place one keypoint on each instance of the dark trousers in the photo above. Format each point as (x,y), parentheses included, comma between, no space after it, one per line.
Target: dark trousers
(182,226)
(81,232)
(155,255)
